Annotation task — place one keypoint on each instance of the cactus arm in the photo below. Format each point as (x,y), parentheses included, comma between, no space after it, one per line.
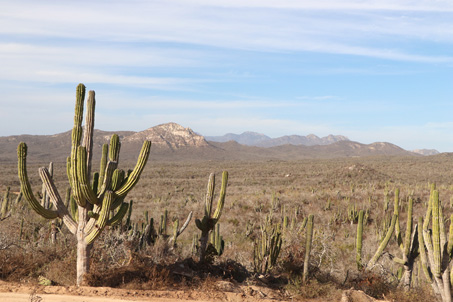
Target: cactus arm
(179,231)
(396,211)
(102,220)
(186,223)
(114,150)
(221,201)
(73,209)
(93,219)
(443,235)
(383,244)
(209,195)
(57,201)
(117,180)
(106,183)
(119,215)
(436,235)
(428,212)
(409,227)
(89,127)
(450,239)
(134,176)
(359,241)
(87,192)
(423,257)
(76,138)
(103,166)
(445,258)
(26,187)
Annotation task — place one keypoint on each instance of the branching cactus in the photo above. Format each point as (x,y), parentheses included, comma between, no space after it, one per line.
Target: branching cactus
(209,220)
(93,197)
(409,246)
(436,264)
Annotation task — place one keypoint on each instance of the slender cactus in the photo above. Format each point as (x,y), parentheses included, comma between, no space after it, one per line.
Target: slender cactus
(308,243)
(178,231)
(93,197)
(359,241)
(5,204)
(209,220)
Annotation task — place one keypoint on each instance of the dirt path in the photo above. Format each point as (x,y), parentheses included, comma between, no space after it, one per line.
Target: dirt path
(223,291)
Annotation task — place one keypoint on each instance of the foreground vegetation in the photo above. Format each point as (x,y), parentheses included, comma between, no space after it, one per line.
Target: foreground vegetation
(334,191)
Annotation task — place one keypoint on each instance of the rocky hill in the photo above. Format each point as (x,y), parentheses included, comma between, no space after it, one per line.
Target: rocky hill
(426,152)
(171,135)
(172,142)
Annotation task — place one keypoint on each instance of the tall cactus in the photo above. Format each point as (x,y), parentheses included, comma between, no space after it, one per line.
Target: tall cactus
(209,220)
(437,263)
(359,241)
(92,203)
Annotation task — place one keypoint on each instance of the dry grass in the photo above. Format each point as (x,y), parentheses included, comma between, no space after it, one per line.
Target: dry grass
(324,188)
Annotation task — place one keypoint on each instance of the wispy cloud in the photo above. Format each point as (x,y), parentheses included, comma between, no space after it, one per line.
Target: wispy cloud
(271,66)
(343,27)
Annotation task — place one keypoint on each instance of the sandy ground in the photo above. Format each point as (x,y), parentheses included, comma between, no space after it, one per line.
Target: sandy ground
(223,291)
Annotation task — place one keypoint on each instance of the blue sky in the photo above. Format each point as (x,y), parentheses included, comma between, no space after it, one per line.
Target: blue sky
(369,70)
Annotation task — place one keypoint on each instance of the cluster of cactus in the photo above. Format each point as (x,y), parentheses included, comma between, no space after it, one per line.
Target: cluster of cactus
(414,243)
(95,196)
(382,245)
(352,214)
(145,233)
(267,246)
(209,220)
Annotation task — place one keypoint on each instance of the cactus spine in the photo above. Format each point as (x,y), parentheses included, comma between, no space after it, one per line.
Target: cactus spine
(209,220)
(98,200)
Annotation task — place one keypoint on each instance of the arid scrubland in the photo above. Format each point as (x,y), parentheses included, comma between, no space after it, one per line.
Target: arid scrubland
(284,192)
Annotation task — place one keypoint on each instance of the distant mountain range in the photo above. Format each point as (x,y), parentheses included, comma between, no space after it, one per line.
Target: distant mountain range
(172,142)
(260,140)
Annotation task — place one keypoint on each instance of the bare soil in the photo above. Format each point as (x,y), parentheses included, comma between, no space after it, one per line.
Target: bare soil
(221,291)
